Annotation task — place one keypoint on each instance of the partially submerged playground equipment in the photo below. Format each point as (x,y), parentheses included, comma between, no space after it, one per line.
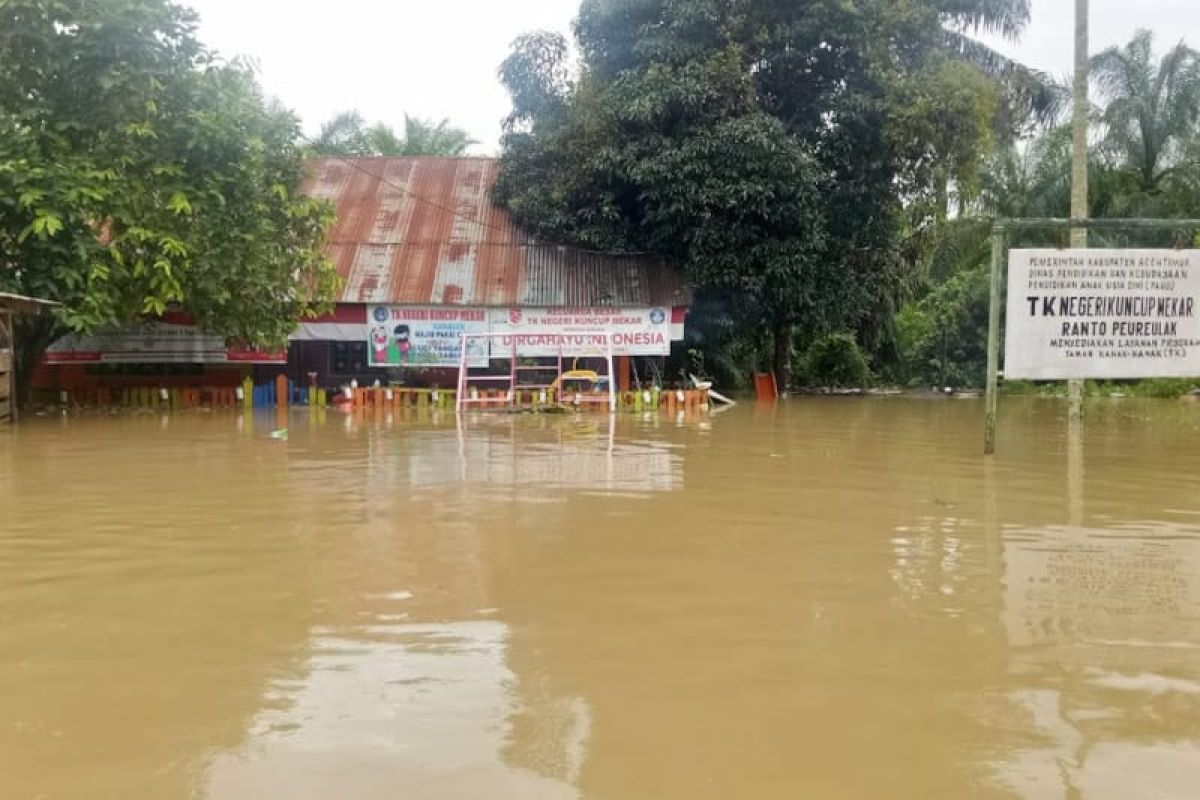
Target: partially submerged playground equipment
(507,371)
(536,380)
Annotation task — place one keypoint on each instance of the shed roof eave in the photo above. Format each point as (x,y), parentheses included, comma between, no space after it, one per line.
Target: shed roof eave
(22,304)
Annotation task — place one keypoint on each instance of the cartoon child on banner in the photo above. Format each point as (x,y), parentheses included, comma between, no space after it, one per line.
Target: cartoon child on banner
(403,346)
(379,344)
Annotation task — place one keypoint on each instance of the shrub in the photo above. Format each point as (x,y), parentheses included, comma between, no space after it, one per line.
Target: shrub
(835,360)
(943,337)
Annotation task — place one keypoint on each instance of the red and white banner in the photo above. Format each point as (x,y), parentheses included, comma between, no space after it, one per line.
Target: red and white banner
(582,331)
(347,323)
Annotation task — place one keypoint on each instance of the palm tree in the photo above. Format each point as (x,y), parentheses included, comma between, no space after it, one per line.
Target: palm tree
(383,141)
(1031,97)
(1028,179)
(343,135)
(427,138)
(348,135)
(1150,112)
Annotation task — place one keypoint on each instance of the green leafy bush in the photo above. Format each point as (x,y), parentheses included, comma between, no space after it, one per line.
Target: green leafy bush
(835,360)
(943,337)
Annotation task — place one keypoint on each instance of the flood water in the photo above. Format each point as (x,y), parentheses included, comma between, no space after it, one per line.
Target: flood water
(835,598)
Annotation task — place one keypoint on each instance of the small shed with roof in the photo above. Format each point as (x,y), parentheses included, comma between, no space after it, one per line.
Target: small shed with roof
(10,305)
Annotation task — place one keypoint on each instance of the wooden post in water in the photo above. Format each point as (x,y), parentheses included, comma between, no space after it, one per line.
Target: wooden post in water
(8,392)
(281,391)
(999,234)
(624,372)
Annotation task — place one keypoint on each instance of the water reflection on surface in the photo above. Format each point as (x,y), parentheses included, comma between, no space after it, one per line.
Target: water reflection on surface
(1106,622)
(391,705)
(833,598)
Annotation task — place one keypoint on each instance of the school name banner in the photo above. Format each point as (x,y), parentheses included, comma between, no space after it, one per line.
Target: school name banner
(1102,314)
(400,336)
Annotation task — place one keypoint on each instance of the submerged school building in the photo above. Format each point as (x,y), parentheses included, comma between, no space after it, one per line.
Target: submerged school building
(424,256)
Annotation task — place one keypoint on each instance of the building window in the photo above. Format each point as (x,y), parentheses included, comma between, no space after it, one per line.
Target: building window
(349,357)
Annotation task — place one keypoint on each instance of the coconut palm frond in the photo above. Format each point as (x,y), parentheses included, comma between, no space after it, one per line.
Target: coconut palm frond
(1029,93)
(1005,17)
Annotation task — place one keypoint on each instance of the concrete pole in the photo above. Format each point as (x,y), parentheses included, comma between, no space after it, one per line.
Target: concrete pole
(1079,161)
(1079,238)
(993,341)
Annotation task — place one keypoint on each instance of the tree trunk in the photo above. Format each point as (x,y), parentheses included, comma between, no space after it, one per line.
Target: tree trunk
(782,361)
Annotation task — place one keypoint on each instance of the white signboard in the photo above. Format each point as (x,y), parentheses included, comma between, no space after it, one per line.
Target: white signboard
(574,331)
(1102,314)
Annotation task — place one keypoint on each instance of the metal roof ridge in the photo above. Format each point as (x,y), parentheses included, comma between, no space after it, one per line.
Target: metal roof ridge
(436,242)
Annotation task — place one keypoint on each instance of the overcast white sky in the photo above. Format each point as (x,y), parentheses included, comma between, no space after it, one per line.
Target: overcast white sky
(438,58)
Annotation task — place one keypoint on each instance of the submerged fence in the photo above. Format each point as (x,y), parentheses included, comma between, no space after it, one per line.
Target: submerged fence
(282,393)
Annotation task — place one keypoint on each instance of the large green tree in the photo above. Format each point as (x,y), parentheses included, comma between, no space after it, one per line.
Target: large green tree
(138,173)
(348,134)
(768,146)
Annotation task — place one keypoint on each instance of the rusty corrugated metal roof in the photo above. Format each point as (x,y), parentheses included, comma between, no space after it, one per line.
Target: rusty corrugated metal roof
(424,231)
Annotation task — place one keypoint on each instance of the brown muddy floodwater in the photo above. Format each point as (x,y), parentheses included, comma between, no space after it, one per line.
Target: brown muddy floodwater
(831,599)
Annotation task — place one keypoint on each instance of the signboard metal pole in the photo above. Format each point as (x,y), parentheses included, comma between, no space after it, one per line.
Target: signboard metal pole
(999,234)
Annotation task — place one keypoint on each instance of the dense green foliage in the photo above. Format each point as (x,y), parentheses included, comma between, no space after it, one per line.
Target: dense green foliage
(348,134)
(943,336)
(140,173)
(773,148)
